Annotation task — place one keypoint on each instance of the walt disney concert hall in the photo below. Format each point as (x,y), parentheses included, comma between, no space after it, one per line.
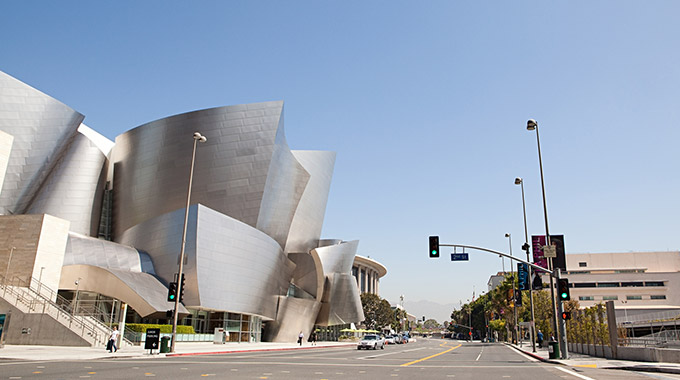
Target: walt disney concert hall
(95,226)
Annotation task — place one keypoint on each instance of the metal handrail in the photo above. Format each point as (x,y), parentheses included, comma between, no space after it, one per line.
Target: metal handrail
(33,298)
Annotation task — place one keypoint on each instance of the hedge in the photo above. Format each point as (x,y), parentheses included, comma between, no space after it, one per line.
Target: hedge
(141,327)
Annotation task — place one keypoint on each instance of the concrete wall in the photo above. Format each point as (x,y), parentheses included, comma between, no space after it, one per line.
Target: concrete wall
(39,243)
(37,329)
(643,354)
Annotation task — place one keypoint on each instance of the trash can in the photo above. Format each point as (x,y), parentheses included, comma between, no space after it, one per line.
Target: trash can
(165,344)
(554,350)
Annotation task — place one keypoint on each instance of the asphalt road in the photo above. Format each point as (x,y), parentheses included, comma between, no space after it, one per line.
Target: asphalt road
(425,359)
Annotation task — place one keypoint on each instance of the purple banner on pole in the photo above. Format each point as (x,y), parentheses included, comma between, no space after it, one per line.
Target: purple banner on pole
(537,243)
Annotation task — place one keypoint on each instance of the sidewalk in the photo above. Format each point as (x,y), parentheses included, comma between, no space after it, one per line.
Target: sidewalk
(17,352)
(581,360)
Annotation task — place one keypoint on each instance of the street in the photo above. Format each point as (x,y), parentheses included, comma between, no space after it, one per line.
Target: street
(425,359)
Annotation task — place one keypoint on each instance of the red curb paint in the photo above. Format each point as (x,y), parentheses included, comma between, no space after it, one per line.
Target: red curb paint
(256,350)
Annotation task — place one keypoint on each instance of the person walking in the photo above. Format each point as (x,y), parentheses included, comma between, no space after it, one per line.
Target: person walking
(300,338)
(113,338)
(312,338)
(539,338)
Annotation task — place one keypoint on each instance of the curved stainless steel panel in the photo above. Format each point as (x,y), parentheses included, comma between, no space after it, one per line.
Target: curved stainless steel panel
(338,258)
(152,162)
(75,185)
(142,291)
(6,141)
(85,250)
(230,265)
(295,315)
(286,181)
(340,303)
(308,274)
(305,231)
(42,127)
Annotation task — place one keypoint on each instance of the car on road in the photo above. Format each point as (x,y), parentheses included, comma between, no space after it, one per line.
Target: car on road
(371,341)
(390,339)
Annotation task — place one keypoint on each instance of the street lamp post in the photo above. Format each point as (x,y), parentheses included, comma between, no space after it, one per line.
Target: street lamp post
(75,299)
(514,289)
(197,138)
(561,334)
(9,261)
(525,247)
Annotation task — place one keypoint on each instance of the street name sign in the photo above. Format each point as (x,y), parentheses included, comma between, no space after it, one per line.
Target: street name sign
(459,257)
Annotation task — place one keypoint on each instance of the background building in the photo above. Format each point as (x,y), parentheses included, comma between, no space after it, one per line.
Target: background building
(638,282)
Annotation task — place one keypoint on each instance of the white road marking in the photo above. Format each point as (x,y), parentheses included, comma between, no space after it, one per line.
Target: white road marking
(480,354)
(574,373)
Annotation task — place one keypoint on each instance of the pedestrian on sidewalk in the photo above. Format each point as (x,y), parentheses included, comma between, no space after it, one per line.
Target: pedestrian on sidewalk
(312,338)
(539,338)
(113,338)
(300,338)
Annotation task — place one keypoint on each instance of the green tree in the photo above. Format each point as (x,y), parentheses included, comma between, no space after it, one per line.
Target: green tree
(377,311)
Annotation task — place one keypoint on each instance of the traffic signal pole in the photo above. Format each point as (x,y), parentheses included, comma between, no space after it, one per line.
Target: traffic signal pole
(560,324)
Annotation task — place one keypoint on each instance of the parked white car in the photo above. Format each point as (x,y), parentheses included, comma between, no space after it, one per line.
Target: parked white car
(371,341)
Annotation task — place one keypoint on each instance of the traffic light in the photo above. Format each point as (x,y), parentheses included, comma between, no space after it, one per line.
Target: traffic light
(172,291)
(434,247)
(563,289)
(566,315)
(181,289)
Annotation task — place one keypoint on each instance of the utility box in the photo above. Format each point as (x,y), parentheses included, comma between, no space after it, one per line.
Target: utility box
(219,336)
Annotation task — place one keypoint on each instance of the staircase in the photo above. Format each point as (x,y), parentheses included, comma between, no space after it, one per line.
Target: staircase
(36,298)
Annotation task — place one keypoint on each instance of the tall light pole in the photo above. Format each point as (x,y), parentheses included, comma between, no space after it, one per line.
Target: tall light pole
(525,247)
(532,125)
(514,289)
(9,261)
(197,138)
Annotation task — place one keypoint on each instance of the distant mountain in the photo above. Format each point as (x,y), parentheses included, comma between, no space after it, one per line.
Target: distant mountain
(429,309)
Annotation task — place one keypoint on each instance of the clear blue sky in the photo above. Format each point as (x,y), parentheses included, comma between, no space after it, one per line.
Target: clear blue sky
(425,103)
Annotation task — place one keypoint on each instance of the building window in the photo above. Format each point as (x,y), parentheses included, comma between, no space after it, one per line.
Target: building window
(584,285)
(607,284)
(654,283)
(610,298)
(632,284)
(633,297)
(586,298)
(583,264)
(657,297)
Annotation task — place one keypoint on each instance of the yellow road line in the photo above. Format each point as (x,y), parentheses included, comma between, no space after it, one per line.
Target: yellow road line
(586,365)
(431,356)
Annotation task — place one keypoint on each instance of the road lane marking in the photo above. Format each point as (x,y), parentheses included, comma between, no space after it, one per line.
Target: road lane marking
(480,354)
(574,373)
(388,353)
(431,356)
(586,365)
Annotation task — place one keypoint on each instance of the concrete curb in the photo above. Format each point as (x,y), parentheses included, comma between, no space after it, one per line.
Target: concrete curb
(533,355)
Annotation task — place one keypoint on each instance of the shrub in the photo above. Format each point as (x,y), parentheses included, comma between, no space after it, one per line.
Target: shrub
(141,327)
